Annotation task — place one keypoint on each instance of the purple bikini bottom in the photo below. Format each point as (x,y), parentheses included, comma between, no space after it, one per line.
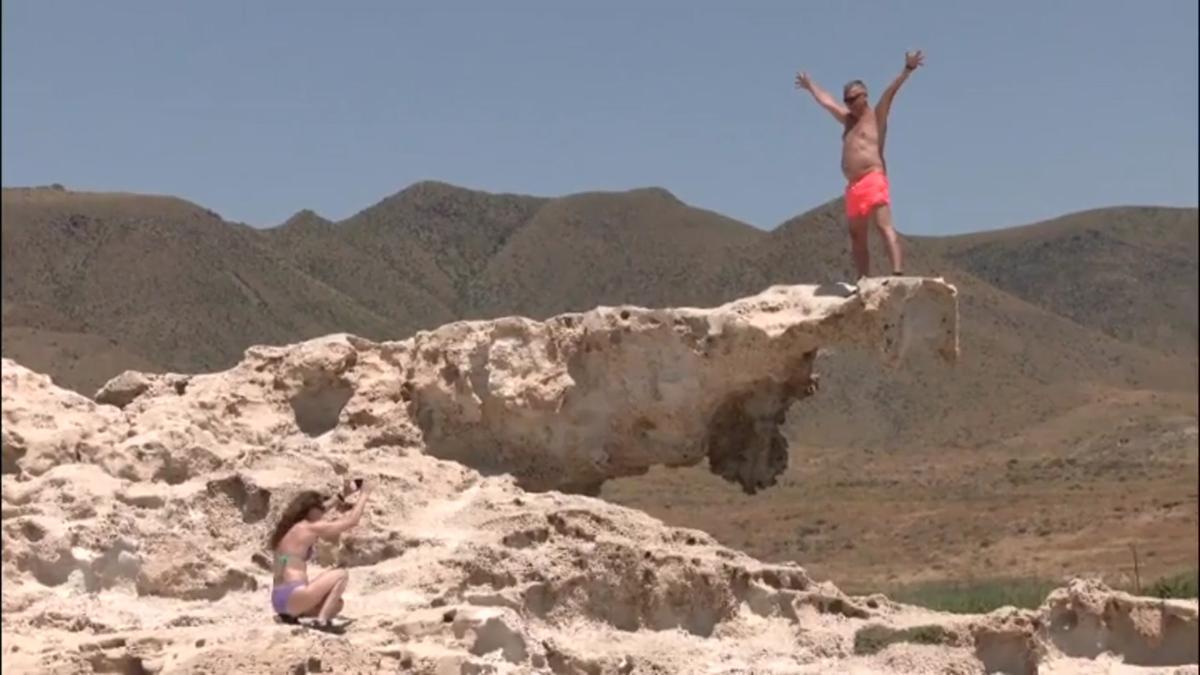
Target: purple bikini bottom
(281,593)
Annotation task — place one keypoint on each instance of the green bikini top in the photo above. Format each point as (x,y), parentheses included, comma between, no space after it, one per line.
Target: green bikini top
(283,558)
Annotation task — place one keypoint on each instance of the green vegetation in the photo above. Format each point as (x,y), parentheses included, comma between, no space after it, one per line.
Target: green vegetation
(976,597)
(1182,585)
(980,596)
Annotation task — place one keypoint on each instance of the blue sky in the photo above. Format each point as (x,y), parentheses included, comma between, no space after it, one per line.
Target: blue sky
(1025,110)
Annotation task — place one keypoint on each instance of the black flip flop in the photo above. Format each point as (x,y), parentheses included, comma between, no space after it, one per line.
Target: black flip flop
(327,627)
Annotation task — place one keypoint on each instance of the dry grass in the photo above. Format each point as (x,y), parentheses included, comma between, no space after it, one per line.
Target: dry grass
(888,520)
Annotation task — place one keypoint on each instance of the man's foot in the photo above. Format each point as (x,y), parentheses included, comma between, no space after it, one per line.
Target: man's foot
(848,289)
(897,273)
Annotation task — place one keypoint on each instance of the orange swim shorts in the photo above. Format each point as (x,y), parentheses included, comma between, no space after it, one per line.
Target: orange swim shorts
(864,194)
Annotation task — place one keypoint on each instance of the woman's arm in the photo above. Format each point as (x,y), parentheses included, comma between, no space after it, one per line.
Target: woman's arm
(329,529)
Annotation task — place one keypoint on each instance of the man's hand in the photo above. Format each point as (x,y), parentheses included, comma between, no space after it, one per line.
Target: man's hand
(839,112)
(914,60)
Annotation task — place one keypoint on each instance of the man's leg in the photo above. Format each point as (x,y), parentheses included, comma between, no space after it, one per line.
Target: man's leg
(883,220)
(858,245)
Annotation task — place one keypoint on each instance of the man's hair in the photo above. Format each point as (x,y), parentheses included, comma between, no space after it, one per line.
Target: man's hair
(852,83)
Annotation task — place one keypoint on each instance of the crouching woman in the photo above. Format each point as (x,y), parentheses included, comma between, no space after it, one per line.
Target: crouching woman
(293,542)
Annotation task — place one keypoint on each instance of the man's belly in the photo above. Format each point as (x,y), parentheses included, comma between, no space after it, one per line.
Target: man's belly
(858,162)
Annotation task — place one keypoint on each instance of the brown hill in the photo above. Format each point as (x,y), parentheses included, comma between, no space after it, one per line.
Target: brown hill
(47,339)
(411,256)
(641,247)
(1128,272)
(169,280)
(434,252)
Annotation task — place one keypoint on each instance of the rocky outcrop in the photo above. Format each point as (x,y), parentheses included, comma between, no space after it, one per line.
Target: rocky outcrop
(134,525)
(45,426)
(580,398)
(566,403)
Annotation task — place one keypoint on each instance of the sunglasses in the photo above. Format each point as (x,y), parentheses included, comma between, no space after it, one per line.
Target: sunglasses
(853,97)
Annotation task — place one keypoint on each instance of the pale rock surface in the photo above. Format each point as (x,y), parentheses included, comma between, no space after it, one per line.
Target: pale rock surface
(134,527)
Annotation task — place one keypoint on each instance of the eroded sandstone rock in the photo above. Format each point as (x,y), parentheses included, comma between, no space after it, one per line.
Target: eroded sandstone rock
(134,532)
(562,404)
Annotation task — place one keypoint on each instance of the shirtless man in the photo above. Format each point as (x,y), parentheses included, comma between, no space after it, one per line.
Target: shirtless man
(863,135)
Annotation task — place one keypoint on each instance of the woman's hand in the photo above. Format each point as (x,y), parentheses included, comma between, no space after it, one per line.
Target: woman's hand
(332,528)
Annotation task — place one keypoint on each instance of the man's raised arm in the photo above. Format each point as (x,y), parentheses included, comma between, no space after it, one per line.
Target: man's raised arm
(839,112)
(912,61)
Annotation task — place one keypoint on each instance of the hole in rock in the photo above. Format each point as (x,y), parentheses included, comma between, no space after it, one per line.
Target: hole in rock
(32,531)
(125,664)
(495,635)
(1006,653)
(318,406)
(253,501)
(10,456)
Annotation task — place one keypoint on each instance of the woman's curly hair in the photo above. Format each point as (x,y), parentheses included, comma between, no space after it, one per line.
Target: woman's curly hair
(295,512)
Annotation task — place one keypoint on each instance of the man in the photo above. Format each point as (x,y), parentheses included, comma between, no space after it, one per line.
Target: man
(863,135)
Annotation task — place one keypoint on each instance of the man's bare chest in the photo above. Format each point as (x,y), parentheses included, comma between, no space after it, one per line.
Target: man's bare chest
(861,131)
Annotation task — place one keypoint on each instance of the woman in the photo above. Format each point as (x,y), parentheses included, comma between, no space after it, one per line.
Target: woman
(294,544)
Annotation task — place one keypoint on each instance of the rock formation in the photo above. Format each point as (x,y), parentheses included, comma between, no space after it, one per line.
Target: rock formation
(134,525)
(562,404)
